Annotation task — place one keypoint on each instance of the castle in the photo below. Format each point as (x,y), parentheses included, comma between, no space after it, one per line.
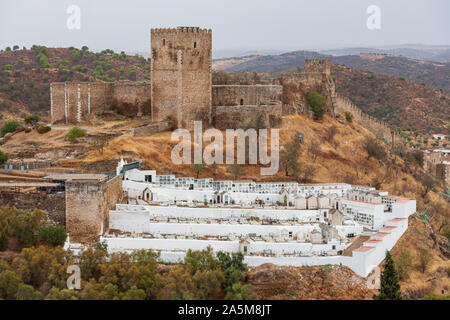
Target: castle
(181,90)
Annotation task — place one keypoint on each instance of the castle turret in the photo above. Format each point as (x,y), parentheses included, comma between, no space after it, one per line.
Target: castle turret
(181,61)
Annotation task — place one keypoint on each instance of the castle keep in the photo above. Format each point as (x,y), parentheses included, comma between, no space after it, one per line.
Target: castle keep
(181,91)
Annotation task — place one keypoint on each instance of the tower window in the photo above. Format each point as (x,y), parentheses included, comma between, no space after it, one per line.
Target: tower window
(195,45)
(242,102)
(164,42)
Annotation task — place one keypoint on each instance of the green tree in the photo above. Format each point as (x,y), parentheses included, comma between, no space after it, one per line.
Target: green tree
(76,133)
(390,288)
(238,291)
(10,126)
(27,292)
(3,158)
(198,167)
(32,119)
(54,235)
(132,74)
(9,283)
(317,103)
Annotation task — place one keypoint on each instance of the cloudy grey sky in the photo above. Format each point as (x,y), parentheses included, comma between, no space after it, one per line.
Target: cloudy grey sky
(237,24)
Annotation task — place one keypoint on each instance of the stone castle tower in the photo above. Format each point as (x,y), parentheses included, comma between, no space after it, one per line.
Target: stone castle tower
(181,62)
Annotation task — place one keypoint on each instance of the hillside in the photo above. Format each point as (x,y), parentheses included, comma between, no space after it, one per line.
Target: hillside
(26,75)
(433,74)
(401,103)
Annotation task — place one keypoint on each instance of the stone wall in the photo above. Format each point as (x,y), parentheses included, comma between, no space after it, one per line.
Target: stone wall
(443,173)
(74,102)
(235,95)
(297,86)
(52,204)
(377,127)
(229,117)
(181,61)
(87,207)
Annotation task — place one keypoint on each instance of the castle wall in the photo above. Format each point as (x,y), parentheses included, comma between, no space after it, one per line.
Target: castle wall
(74,102)
(181,75)
(297,86)
(235,95)
(57,102)
(87,207)
(131,98)
(377,127)
(229,117)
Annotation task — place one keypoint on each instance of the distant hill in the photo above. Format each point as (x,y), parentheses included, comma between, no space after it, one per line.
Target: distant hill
(25,75)
(418,52)
(401,103)
(433,74)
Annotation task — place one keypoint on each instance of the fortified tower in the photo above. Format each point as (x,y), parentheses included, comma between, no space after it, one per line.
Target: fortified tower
(181,61)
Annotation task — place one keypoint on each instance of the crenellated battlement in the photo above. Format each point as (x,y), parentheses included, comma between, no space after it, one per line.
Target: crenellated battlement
(177,30)
(318,66)
(376,126)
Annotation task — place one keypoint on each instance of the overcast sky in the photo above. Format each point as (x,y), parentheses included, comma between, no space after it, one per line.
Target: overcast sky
(237,24)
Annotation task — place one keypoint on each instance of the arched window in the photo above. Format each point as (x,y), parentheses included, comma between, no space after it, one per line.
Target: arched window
(195,45)
(242,102)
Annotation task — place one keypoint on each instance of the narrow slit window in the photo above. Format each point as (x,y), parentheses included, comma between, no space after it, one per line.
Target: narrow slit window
(164,42)
(195,45)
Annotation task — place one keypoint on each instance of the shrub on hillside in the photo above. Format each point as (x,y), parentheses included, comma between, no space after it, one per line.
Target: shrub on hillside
(10,126)
(348,117)
(32,119)
(374,149)
(54,235)
(44,129)
(317,103)
(3,158)
(76,133)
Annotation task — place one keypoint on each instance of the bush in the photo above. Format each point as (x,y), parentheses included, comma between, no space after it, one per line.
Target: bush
(348,117)
(132,74)
(3,158)
(10,126)
(374,149)
(54,235)
(425,258)
(317,103)
(32,119)
(404,264)
(76,133)
(44,129)
(8,67)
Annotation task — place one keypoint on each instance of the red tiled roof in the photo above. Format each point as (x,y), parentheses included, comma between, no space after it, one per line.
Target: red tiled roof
(362,201)
(380,234)
(388,228)
(373,241)
(363,249)
(397,220)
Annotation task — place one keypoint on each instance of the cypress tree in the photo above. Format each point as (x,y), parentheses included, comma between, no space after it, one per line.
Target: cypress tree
(390,289)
